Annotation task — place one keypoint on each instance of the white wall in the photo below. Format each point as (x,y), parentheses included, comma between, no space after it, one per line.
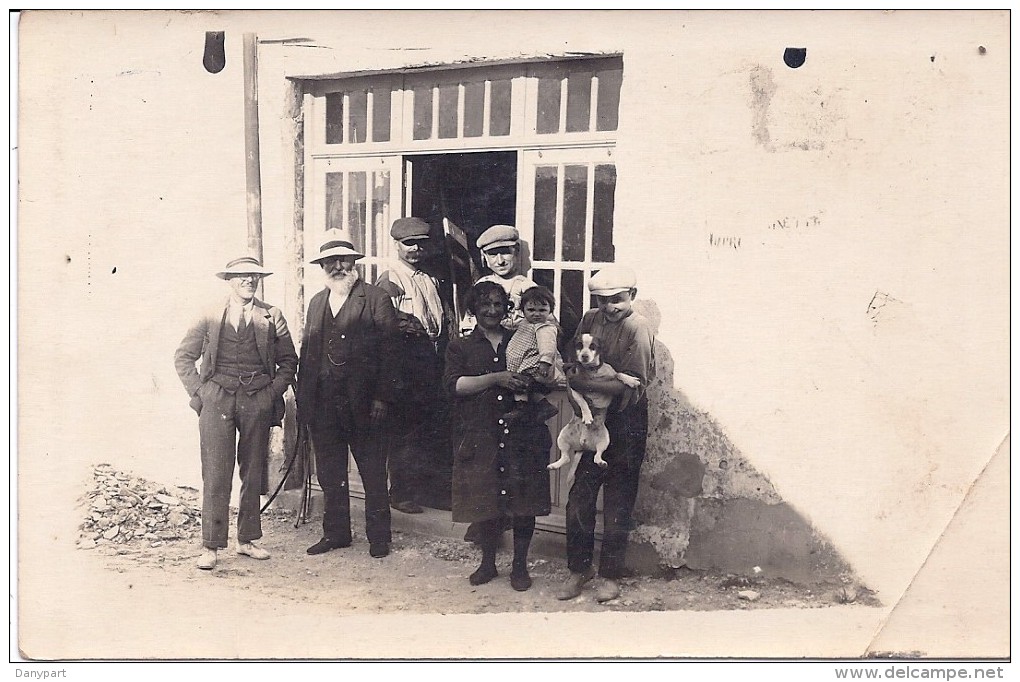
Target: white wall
(132,157)
(873,430)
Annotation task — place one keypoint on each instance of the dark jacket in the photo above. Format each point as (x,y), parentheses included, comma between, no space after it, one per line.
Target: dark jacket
(276,348)
(369,326)
(497,470)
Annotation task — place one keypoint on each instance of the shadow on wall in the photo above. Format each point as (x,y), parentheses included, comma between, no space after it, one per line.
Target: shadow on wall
(702,505)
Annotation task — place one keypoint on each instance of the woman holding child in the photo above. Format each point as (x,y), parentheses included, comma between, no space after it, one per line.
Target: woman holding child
(499,468)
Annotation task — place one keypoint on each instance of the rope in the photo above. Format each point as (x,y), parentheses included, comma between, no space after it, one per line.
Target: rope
(306,488)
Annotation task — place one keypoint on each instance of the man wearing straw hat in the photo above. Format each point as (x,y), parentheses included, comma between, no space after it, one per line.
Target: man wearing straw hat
(247,363)
(344,392)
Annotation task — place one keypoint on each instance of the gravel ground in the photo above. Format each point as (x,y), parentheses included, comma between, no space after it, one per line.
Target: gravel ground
(159,538)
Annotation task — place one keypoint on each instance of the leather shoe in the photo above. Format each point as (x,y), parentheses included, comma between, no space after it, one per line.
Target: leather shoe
(544,411)
(483,574)
(207,561)
(520,580)
(326,544)
(574,584)
(379,550)
(408,507)
(252,550)
(607,591)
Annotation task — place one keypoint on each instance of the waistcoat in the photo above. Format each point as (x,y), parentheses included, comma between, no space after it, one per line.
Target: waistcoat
(238,355)
(334,352)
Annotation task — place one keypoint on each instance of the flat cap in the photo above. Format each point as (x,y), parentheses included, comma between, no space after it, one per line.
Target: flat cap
(409,228)
(498,235)
(611,280)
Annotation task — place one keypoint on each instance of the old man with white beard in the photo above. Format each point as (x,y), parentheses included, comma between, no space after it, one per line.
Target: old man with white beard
(345,389)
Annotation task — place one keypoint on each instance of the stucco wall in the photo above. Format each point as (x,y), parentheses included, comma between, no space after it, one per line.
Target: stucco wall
(826,246)
(877,168)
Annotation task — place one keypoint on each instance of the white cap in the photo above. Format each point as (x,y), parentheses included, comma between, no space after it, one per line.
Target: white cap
(611,280)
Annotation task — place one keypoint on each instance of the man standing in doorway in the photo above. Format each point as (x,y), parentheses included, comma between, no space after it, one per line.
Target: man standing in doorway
(501,250)
(247,363)
(345,391)
(420,466)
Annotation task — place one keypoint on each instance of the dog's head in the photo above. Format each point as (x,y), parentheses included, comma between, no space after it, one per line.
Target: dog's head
(588,350)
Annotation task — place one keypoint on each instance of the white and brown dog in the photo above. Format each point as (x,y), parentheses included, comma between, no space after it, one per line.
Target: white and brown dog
(588,431)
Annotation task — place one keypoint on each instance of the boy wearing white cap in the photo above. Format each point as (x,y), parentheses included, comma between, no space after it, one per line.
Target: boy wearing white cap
(627,343)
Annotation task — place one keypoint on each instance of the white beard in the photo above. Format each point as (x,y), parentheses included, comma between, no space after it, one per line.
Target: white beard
(342,283)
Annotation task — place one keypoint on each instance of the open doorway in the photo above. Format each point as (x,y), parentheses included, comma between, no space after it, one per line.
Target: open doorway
(461,195)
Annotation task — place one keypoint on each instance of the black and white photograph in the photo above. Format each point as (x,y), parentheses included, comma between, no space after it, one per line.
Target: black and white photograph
(388,335)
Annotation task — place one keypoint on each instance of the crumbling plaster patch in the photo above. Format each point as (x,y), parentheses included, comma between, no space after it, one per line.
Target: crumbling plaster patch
(684,444)
(797,112)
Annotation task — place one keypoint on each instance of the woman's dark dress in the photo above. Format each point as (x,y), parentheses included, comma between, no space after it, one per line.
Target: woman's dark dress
(497,470)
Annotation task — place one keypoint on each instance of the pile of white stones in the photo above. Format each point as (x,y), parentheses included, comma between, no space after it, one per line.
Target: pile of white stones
(122,509)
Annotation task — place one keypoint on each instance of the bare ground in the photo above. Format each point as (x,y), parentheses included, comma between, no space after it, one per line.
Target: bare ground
(426,574)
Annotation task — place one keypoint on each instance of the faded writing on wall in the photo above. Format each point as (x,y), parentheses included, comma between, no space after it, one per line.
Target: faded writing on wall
(794,223)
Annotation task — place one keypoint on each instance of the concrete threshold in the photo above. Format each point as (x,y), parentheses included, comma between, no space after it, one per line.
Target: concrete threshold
(546,544)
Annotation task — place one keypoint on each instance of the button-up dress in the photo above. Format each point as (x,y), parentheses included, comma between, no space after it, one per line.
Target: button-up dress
(498,470)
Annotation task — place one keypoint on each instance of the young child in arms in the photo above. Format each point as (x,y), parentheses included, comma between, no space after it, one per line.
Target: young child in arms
(532,351)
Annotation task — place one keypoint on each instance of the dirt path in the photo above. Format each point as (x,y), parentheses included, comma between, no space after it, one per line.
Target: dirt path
(125,523)
(138,595)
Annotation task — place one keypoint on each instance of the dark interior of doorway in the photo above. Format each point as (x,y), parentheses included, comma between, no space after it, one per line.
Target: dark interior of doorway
(472,191)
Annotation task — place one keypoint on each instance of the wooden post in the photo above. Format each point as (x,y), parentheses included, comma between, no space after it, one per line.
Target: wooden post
(295,298)
(253,174)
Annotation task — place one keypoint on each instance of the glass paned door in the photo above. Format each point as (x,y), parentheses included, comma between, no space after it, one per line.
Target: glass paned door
(359,196)
(569,196)
(566,201)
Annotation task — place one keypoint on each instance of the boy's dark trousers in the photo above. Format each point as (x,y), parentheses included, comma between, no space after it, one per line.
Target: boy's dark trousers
(628,433)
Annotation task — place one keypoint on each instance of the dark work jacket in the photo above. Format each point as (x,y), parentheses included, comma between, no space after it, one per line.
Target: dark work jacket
(369,325)
(420,372)
(497,470)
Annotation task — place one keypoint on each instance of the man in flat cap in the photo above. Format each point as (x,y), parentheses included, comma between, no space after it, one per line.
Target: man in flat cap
(627,343)
(414,292)
(247,363)
(500,246)
(345,391)
(420,462)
